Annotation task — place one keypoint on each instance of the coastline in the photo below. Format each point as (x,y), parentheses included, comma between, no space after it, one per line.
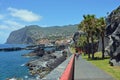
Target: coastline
(45,64)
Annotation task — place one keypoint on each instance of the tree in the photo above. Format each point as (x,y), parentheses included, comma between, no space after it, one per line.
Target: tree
(101,24)
(84,26)
(88,25)
(92,25)
(93,28)
(91,21)
(81,42)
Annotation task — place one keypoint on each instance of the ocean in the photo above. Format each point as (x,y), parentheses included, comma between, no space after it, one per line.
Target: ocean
(12,64)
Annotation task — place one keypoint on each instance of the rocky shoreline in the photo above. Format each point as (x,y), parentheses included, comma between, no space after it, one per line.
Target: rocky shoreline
(47,58)
(47,61)
(45,64)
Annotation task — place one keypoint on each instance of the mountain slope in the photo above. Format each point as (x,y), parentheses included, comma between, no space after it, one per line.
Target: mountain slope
(30,34)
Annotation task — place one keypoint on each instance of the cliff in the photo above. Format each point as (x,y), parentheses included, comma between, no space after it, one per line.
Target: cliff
(30,34)
(113,36)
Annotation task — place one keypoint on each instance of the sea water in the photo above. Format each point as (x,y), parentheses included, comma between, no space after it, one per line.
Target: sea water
(12,64)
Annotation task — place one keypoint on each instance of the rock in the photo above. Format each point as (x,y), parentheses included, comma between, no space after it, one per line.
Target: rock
(46,63)
(11,49)
(113,36)
(113,62)
(77,35)
(37,52)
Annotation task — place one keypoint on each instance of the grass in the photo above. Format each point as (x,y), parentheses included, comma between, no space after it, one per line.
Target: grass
(103,64)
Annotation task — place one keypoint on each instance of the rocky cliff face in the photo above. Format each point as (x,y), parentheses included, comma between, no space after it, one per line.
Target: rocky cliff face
(113,36)
(30,34)
(25,35)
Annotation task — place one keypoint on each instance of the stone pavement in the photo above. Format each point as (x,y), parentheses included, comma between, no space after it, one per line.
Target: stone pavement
(84,70)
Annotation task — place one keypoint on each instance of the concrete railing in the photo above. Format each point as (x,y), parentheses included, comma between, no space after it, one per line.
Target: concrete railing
(68,73)
(58,73)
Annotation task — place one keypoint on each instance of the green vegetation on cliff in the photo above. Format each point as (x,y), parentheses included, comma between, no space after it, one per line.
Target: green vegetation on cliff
(30,34)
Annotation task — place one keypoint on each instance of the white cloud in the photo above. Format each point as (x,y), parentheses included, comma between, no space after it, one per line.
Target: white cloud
(1,16)
(4,27)
(11,25)
(23,14)
(7,27)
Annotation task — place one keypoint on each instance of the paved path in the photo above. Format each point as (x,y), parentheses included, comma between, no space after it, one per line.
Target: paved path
(86,71)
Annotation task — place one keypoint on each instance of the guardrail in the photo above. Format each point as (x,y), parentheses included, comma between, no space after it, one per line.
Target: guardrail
(68,73)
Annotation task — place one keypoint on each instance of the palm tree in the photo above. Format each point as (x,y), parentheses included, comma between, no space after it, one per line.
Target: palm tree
(101,24)
(93,31)
(88,25)
(91,21)
(84,25)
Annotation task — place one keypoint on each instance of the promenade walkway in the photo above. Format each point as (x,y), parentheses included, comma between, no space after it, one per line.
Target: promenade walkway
(84,70)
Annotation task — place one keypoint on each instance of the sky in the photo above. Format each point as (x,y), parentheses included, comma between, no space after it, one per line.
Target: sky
(16,14)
